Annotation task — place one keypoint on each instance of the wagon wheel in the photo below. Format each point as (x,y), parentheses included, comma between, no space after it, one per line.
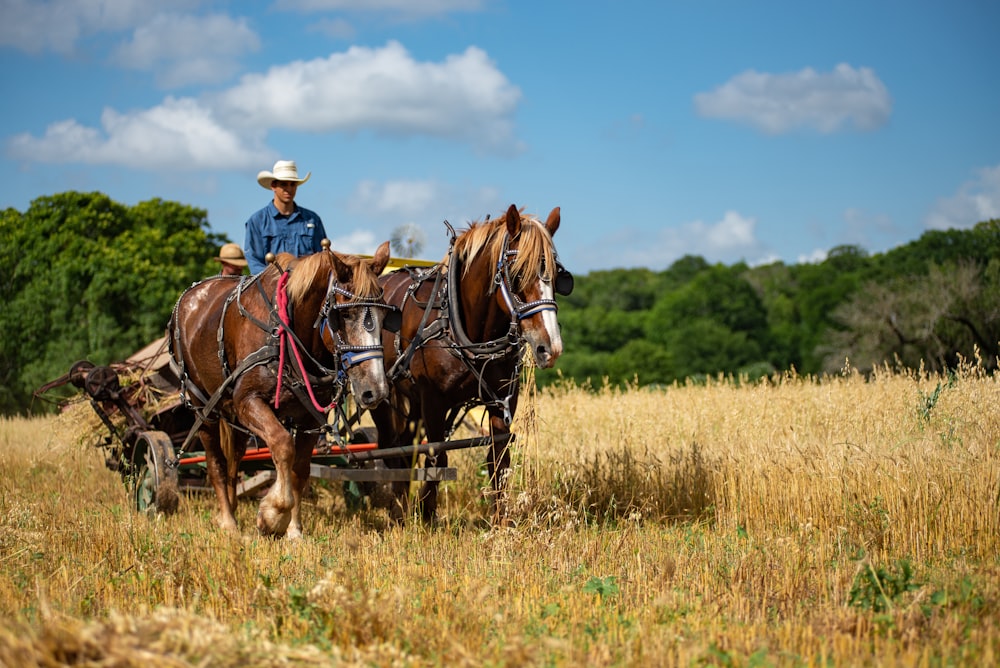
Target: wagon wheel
(154,471)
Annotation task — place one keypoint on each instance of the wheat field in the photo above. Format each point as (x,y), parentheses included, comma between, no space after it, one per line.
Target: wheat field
(795,522)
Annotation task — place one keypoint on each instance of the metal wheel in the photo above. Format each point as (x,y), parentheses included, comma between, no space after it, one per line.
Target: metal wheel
(154,474)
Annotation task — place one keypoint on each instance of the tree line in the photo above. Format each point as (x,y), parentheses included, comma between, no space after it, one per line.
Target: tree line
(84,277)
(932,303)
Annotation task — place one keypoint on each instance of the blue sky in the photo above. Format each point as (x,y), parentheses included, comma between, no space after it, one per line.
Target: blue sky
(751,131)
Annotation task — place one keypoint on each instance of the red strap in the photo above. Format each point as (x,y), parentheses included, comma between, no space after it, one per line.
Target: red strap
(281,305)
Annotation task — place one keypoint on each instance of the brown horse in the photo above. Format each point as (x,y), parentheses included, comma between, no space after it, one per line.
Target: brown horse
(272,350)
(465,324)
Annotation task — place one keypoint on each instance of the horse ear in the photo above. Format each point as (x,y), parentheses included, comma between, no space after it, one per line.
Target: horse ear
(381,258)
(552,224)
(340,268)
(513,221)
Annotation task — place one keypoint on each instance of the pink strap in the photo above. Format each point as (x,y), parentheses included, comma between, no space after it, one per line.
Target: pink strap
(281,304)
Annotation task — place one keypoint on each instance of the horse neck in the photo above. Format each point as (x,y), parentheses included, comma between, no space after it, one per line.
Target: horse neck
(482,317)
(303,316)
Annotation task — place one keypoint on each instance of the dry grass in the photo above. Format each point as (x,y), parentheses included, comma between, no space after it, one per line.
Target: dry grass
(798,522)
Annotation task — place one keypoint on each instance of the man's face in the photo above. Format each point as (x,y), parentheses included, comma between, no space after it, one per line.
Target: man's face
(284,191)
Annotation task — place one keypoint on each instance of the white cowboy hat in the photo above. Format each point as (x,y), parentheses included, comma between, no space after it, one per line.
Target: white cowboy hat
(231,254)
(284,170)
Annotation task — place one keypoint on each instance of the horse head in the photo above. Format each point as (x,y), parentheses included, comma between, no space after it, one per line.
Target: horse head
(528,276)
(350,321)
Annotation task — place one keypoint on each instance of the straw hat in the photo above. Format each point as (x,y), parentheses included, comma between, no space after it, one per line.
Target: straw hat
(284,170)
(232,254)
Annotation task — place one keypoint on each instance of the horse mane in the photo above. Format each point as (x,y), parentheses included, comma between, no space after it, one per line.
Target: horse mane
(534,246)
(311,269)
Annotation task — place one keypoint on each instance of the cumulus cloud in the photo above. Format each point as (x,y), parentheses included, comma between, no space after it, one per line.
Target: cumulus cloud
(463,98)
(817,256)
(410,201)
(383,90)
(396,199)
(178,134)
(179,48)
(35,26)
(186,49)
(425,203)
(976,200)
(730,239)
(780,103)
(357,241)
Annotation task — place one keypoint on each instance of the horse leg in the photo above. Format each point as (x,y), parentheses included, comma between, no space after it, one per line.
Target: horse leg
(275,511)
(434,427)
(217,465)
(234,445)
(498,468)
(304,445)
(390,423)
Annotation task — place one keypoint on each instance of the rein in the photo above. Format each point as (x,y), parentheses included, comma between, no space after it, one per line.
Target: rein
(347,355)
(284,334)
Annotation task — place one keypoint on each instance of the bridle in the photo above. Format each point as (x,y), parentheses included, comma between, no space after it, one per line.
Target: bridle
(332,310)
(518,308)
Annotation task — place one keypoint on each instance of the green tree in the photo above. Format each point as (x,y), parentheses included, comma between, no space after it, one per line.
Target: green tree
(83,277)
(622,289)
(684,270)
(714,323)
(931,320)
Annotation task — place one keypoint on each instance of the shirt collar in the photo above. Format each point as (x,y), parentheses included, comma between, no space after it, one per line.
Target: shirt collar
(273,210)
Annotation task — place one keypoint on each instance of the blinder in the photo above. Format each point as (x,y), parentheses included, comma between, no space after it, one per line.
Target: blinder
(392,321)
(564,281)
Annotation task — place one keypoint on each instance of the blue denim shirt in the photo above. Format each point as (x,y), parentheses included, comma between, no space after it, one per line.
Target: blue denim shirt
(269,231)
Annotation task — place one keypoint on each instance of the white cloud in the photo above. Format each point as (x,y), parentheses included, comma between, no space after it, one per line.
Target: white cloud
(186,49)
(426,204)
(57,25)
(358,241)
(976,200)
(178,134)
(780,103)
(733,233)
(817,256)
(180,48)
(464,97)
(731,239)
(396,199)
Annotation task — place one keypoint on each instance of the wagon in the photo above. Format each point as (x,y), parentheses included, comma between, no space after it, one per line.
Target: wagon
(150,438)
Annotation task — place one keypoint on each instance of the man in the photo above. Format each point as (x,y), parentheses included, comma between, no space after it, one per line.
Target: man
(232,260)
(282,226)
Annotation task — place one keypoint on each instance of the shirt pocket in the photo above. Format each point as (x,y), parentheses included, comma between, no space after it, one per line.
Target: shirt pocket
(305,240)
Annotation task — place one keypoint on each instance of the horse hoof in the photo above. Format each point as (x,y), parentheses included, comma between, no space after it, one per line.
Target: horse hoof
(272,529)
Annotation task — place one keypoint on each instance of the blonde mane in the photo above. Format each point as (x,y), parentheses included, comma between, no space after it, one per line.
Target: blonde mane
(535,250)
(313,269)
